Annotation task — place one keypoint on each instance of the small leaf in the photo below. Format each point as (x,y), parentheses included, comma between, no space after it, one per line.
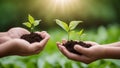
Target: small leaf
(63,25)
(31,19)
(27,24)
(37,22)
(73,24)
(80,33)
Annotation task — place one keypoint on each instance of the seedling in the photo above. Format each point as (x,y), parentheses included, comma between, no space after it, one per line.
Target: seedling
(32,23)
(70,43)
(68,28)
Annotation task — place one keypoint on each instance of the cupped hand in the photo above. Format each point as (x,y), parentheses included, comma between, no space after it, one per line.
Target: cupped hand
(13,33)
(17,32)
(88,54)
(34,48)
(16,46)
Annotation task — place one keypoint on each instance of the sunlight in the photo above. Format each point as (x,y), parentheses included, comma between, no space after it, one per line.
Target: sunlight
(57,8)
(62,2)
(63,5)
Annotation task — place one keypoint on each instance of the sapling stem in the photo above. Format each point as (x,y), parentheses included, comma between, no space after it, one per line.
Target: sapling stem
(32,28)
(79,38)
(68,35)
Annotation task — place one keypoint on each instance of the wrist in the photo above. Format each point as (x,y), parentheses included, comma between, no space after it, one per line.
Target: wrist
(103,52)
(116,44)
(7,48)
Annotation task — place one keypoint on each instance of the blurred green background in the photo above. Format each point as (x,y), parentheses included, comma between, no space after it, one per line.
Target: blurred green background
(101,23)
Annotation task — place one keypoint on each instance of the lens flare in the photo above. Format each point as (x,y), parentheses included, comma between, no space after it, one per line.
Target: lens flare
(63,6)
(57,8)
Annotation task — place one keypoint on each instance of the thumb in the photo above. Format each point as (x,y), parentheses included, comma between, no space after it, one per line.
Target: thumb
(81,49)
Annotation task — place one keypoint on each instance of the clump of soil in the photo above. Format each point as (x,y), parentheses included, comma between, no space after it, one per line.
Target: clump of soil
(70,46)
(32,37)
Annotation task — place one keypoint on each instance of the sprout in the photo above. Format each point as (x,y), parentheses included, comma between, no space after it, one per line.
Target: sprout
(66,27)
(32,23)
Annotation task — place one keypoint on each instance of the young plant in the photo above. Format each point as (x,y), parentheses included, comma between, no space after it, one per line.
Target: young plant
(32,23)
(68,28)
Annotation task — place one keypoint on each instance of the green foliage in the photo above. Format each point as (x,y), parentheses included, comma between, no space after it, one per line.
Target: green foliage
(52,58)
(80,33)
(63,25)
(31,19)
(68,28)
(73,25)
(32,23)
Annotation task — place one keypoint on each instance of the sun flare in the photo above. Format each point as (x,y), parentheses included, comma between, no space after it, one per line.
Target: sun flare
(63,5)
(62,2)
(57,8)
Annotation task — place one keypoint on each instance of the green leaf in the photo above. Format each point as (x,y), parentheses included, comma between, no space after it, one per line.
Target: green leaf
(80,32)
(27,24)
(63,25)
(31,19)
(73,24)
(37,22)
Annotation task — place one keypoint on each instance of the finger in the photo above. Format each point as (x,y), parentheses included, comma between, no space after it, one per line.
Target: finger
(73,56)
(34,47)
(92,43)
(39,46)
(81,49)
(59,44)
(64,41)
(43,34)
(40,33)
(46,38)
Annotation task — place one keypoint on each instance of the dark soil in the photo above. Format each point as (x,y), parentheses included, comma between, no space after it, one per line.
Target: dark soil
(70,46)
(32,37)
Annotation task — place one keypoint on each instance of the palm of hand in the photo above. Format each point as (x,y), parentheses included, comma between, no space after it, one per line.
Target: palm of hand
(16,46)
(14,33)
(17,32)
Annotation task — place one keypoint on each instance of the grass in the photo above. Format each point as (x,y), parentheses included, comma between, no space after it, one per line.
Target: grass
(52,58)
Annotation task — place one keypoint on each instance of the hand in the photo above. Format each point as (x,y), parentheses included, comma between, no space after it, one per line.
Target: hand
(13,33)
(17,32)
(16,46)
(88,54)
